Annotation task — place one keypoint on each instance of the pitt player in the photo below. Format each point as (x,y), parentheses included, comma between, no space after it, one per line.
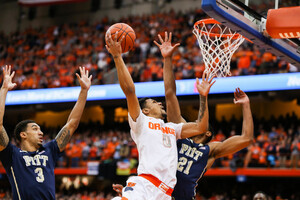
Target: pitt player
(197,154)
(30,168)
(155,139)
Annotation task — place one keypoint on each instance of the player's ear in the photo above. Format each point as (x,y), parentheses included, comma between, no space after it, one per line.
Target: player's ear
(23,135)
(208,133)
(146,111)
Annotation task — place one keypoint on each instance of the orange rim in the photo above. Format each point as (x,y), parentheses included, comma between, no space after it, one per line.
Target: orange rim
(213,21)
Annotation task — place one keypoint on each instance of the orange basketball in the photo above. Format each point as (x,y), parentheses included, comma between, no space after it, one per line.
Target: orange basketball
(123,30)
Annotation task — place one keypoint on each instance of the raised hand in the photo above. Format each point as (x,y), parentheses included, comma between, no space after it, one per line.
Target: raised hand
(166,47)
(7,78)
(85,80)
(240,97)
(113,46)
(204,87)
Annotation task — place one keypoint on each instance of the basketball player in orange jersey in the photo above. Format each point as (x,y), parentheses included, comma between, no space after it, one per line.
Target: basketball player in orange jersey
(155,139)
(191,168)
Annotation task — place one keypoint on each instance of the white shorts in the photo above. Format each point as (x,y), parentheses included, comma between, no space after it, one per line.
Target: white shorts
(139,188)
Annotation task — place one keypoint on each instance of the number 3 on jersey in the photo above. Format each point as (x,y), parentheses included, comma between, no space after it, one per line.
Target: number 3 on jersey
(184,163)
(40,176)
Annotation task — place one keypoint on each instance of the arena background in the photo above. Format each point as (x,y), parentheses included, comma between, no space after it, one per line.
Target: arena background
(105,121)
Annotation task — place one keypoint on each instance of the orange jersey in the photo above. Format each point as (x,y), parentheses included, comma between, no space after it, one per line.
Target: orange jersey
(156,143)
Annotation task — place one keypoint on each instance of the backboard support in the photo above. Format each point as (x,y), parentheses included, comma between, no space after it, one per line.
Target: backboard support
(242,19)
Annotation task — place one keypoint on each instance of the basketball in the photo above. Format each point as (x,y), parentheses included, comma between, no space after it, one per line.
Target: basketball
(123,30)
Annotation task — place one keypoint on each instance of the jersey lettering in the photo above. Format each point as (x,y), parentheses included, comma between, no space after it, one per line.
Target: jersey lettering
(184,163)
(167,141)
(166,130)
(40,175)
(37,160)
(191,152)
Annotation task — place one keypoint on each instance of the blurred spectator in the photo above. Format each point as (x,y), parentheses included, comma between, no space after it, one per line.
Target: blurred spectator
(295,149)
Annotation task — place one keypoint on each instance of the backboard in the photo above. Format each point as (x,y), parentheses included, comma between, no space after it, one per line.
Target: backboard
(249,19)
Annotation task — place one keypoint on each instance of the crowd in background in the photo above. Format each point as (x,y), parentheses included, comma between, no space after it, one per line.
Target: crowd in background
(49,57)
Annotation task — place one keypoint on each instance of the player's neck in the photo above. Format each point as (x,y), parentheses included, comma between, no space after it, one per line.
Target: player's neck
(25,146)
(156,116)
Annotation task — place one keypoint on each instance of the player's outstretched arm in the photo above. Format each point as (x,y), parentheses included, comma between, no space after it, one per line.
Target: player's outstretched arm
(67,131)
(201,126)
(6,86)
(167,50)
(236,143)
(114,48)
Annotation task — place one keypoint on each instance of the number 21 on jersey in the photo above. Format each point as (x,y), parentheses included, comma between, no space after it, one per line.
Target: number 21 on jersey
(184,165)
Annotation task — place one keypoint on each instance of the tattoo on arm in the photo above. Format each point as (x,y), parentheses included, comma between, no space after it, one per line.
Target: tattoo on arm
(3,137)
(202,107)
(63,138)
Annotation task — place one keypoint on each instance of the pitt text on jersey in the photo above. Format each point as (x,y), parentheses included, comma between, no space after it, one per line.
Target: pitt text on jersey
(37,160)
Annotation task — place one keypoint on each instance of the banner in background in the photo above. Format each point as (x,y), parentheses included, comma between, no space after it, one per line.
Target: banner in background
(256,83)
(46,2)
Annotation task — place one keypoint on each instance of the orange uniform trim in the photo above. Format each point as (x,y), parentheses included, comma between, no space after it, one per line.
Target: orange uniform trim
(158,183)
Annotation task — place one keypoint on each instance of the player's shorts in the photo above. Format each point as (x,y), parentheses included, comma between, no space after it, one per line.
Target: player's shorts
(139,188)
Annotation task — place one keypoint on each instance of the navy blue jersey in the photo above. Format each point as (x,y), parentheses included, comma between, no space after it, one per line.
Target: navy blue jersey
(31,174)
(192,162)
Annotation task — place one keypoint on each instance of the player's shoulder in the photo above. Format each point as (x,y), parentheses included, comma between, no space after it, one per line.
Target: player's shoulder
(50,144)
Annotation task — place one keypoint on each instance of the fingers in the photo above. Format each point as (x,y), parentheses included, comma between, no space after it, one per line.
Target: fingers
(107,48)
(160,38)
(108,37)
(235,101)
(170,37)
(211,84)
(9,69)
(116,36)
(3,71)
(122,39)
(166,36)
(197,81)
(176,45)
(12,75)
(210,80)
(158,45)
(91,76)
(77,75)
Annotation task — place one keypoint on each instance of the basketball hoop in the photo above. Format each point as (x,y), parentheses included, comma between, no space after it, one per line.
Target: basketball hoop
(217,43)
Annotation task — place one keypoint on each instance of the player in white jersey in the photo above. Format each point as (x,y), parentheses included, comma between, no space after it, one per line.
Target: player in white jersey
(155,139)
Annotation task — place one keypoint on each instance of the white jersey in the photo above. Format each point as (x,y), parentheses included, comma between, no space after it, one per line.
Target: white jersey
(156,143)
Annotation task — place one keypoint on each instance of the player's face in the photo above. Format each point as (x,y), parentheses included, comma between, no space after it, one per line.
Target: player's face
(34,134)
(156,108)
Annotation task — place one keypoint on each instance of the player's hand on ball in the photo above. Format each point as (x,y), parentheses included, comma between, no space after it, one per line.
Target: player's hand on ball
(113,45)
(240,97)
(85,80)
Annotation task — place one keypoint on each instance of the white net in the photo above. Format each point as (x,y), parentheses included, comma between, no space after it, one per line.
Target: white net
(217,44)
